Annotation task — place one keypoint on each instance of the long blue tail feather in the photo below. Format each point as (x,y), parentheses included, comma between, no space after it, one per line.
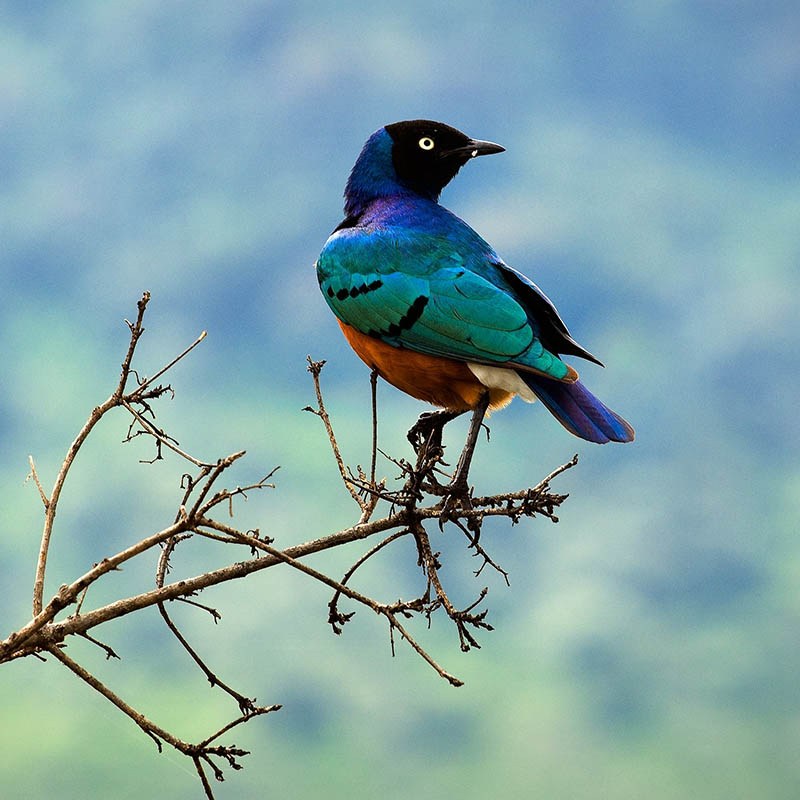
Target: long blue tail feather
(578,410)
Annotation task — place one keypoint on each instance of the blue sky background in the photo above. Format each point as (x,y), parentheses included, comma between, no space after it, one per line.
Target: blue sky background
(648,644)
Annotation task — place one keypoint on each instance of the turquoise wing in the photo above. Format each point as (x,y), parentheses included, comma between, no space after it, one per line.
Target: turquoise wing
(420,292)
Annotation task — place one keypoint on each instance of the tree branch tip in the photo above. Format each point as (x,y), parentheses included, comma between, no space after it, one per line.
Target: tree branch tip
(315,367)
(224,463)
(33,474)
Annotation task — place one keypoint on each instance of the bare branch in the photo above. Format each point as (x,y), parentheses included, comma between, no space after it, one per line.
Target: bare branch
(201,750)
(334,617)
(136,329)
(55,494)
(108,651)
(150,728)
(246,704)
(142,386)
(58,630)
(417,495)
(159,435)
(315,368)
(255,712)
(34,475)
(97,414)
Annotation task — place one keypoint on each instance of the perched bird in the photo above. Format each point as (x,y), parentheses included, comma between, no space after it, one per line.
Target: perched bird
(429,305)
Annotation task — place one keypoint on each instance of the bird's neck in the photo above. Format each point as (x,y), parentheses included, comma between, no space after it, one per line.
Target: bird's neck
(373,177)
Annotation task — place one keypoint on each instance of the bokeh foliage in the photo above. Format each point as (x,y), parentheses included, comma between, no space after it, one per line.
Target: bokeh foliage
(648,644)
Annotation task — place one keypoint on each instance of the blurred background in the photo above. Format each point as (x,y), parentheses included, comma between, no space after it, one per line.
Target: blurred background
(648,643)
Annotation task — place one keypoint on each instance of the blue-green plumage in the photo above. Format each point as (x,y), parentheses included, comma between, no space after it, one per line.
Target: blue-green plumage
(405,270)
(469,312)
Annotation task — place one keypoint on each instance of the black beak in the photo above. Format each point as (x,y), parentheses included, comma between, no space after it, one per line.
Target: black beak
(473,148)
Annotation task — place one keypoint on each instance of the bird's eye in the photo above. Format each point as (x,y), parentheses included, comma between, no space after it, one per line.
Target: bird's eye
(426,143)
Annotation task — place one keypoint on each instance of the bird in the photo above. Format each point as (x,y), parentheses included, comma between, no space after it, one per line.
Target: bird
(428,304)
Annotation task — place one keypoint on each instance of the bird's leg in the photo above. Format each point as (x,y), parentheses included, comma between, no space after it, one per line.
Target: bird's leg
(373,380)
(458,489)
(472,439)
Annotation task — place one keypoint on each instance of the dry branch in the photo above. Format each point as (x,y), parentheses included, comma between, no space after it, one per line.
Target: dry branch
(417,497)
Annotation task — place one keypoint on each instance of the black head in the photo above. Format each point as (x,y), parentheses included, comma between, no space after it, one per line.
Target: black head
(427,155)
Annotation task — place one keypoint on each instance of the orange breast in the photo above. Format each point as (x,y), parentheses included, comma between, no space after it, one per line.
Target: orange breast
(441,381)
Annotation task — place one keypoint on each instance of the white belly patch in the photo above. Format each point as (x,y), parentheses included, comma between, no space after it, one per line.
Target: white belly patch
(502,378)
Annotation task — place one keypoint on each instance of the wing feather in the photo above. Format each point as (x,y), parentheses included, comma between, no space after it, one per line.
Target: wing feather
(422,294)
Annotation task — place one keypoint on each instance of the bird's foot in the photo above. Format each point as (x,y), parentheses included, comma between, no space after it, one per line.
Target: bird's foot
(427,430)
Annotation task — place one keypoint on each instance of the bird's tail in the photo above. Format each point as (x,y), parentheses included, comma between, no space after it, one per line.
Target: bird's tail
(578,410)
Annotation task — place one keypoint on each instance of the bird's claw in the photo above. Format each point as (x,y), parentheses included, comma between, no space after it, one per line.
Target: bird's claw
(425,432)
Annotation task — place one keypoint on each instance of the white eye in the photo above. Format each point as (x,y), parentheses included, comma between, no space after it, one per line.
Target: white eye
(426,143)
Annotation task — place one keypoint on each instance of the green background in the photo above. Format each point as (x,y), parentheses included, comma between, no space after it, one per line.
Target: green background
(648,644)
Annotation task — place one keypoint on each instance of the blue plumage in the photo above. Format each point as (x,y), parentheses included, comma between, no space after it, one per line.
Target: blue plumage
(402,269)
(579,411)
